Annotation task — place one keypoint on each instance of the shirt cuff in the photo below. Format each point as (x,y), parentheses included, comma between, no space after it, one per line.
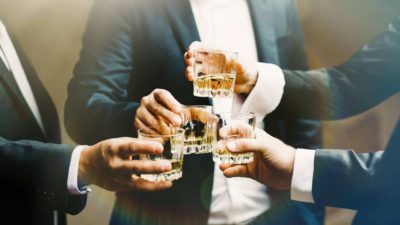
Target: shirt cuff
(301,187)
(72,183)
(267,93)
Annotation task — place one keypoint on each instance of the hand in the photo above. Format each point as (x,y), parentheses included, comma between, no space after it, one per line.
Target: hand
(246,72)
(109,165)
(159,108)
(273,161)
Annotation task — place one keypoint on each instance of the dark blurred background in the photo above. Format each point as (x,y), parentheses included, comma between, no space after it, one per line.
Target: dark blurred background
(50,32)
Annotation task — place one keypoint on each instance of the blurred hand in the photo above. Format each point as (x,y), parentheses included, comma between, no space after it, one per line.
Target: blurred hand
(109,165)
(159,108)
(246,72)
(273,161)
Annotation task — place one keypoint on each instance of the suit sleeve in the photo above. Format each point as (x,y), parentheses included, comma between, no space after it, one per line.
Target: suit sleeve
(40,169)
(369,77)
(98,106)
(358,180)
(301,132)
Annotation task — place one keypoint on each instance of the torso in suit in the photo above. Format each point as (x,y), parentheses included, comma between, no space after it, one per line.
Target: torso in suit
(33,174)
(133,47)
(367,182)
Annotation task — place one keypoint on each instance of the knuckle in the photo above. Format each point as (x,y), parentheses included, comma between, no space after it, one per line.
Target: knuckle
(143,101)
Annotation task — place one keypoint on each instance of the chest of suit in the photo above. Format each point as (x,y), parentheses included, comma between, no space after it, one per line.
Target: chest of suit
(163,31)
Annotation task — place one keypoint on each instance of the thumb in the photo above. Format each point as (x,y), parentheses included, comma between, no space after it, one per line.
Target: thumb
(246,145)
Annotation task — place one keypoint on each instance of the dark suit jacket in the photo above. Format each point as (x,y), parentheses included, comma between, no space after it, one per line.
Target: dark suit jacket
(368,182)
(33,174)
(131,48)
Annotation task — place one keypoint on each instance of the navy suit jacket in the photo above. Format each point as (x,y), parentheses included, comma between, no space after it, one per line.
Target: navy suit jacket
(131,48)
(33,165)
(367,182)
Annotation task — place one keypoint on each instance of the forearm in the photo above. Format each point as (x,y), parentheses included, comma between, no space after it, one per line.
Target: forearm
(41,168)
(343,178)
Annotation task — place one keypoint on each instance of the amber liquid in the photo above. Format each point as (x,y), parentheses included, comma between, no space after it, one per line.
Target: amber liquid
(214,86)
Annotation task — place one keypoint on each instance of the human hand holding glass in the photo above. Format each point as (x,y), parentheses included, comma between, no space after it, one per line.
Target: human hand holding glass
(246,71)
(273,160)
(172,140)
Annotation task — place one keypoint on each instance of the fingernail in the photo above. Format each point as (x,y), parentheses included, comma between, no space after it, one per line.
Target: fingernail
(177,121)
(231,146)
(166,166)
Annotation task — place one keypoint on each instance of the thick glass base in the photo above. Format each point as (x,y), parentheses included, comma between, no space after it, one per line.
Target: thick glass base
(168,176)
(233,158)
(201,92)
(197,149)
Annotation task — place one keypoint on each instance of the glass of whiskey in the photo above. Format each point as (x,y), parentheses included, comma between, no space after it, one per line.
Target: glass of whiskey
(199,126)
(172,140)
(214,73)
(230,127)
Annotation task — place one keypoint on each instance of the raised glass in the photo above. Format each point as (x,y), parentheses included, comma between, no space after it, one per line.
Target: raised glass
(214,73)
(230,127)
(199,126)
(172,140)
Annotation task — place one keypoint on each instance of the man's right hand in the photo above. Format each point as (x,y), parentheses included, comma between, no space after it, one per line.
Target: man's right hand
(110,165)
(159,108)
(246,71)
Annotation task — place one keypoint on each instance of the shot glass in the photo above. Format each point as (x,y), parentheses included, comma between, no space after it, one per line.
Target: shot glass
(233,126)
(172,140)
(214,73)
(199,126)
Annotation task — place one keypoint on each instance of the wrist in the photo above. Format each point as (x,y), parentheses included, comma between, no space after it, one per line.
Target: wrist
(86,166)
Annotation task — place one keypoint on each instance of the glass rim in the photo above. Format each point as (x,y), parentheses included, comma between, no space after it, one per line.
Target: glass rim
(236,53)
(180,131)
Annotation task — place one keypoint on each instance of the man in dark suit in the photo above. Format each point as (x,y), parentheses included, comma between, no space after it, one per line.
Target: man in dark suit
(41,180)
(131,48)
(367,182)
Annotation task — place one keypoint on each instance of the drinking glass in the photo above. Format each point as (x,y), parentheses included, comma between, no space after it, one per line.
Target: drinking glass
(214,73)
(199,126)
(172,140)
(230,127)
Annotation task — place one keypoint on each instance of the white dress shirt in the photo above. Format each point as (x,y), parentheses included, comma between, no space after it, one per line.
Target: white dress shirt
(227,24)
(10,58)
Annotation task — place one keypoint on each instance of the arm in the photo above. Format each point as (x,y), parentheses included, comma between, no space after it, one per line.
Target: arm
(366,79)
(44,169)
(98,106)
(341,178)
(41,168)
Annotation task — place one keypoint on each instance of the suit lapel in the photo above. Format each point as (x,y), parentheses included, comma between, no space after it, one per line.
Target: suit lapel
(12,88)
(8,79)
(11,85)
(45,105)
(180,15)
(262,17)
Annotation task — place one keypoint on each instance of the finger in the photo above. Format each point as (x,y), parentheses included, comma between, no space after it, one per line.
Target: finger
(145,166)
(144,185)
(236,171)
(166,99)
(246,145)
(149,119)
(189,73)
(196,45)
(163,113)
(243,130)
(134,146)
(224,166)
(189,58)
(140,125)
